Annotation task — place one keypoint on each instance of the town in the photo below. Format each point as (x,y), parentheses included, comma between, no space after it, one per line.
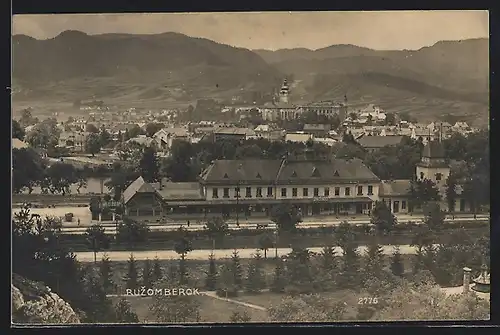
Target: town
(271,208)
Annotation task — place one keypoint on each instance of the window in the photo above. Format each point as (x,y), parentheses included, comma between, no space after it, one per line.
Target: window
(248,192)
(370,190)
(327,191)
(269,191)
(438,176)
(403,204)
(226,192)
(259,192)
(337,191)
(347,191)
(316,192)
(421,175)
(283,192)
(305,192)
(360,190)
(236,192)
(294,192)
(225,176)
(215,192)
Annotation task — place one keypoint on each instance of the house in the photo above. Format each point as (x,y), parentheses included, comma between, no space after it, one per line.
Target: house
(232,133)
(317,130)
(18,144)
(266,132)
(73,140)
(376,142)
(298,137)
(166,136)
(144,141)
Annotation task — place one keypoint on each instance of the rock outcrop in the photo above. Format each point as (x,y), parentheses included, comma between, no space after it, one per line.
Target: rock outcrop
(34,302)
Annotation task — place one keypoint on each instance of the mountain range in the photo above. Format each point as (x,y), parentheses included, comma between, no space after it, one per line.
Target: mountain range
(450,77)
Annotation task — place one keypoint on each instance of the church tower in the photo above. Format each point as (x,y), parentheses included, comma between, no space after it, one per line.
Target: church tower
(284,92)
(432,165)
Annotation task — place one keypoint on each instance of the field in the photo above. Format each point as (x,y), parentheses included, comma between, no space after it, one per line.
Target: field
(212,310)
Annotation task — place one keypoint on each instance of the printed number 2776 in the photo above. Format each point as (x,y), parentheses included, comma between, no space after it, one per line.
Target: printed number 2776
(367,301)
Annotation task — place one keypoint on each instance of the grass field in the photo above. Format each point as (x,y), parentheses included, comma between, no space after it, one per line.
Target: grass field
(212,310)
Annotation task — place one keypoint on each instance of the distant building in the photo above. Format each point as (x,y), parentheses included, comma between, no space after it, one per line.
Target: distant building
(371,143)
(165,137)
(283,109)
(318,130)
(18,144)
(232,133)
(298,137)
(144,140)
(73,140)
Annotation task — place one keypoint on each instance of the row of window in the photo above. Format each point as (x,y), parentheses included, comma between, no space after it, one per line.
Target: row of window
(305,192)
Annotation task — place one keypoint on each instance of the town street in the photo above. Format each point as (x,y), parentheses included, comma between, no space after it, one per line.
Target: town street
(120,256)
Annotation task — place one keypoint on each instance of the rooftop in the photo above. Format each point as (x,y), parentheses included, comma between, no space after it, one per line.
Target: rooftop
(379,141)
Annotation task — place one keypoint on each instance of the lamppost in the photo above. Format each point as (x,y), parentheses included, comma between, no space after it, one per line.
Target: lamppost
(276,242)
(238,204)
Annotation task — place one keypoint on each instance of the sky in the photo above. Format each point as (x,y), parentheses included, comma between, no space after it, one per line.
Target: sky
(277,30)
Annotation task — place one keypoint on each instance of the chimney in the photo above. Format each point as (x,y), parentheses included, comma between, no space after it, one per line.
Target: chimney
(466,285)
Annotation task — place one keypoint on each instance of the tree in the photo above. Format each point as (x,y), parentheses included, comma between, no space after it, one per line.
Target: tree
(300,273)
(134,131)
(434,216)
(344,235)
(279,280)
(147,274)
(106,274)
(390,119)
(157,273)
(217,228)
(236,269)
(265,242)
(226,285)
(96,239)
(182,246)
(44,135)
(286,218)
(382,217)
(101,307)
(91,128)
(475,192)
(307,308)
(428,302)
(123,312)
(93,144)
(153,128)
(17,131)
(27,118)
(328,267)
(132,279)
(176,308)
(255,280)
(397,266)
(373,261)
(239,317)
(451,192)
(132,232)
(148,165)
(60,177)
(423,191)
(211,280)
(28,170)
(350,267)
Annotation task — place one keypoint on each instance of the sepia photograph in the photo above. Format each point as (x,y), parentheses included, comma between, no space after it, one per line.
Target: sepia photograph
(250,167)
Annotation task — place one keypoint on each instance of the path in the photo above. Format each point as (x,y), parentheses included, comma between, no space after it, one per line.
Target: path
(205,293)
(120,256)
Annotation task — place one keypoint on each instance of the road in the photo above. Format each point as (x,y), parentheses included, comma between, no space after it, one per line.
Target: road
(221,253)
